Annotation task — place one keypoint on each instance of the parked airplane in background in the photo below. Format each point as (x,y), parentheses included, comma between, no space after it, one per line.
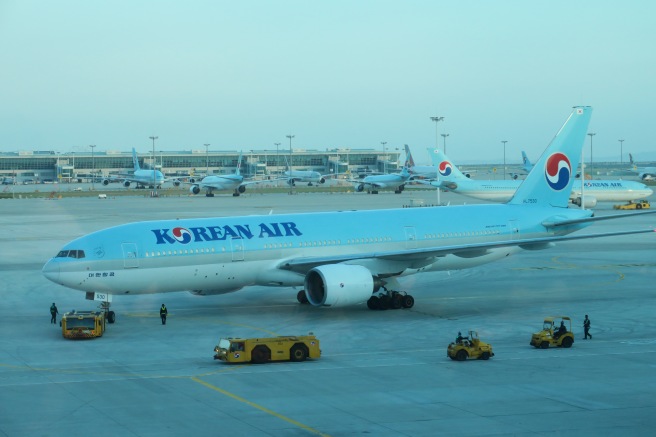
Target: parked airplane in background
(309,176)
(341,258)
(644,173)
(142,178)
(593,191)
(390,181)
(230,182)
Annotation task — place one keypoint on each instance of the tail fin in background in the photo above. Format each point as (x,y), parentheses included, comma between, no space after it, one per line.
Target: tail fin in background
(135,161)
(446,170)
(409,162)
(550,181)
(527,164)
(238,171)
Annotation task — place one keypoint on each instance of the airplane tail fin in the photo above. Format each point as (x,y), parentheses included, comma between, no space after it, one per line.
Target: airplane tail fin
(631,159)
(409,162)
(135,161)
(446,170)
(550,181)
(528,166)
(238,171)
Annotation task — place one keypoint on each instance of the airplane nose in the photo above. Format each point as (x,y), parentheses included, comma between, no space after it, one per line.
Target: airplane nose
(51,271)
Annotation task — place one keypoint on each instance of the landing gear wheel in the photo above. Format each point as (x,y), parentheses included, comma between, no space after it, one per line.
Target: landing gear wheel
(383,302)
(209,195)
(408,301)
(396,302)
(373,303)
(302,297)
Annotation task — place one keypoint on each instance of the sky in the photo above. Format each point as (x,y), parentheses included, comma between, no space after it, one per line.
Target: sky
(242,75)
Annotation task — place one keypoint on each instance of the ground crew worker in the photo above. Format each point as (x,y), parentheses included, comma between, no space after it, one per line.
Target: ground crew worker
(586,328)
(162,313)
(53,313)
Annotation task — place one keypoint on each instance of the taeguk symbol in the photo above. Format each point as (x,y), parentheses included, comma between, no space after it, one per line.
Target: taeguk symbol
(558,171)
(445,168)
(182,235)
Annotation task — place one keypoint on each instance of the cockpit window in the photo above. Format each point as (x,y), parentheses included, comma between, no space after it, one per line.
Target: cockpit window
(70,254)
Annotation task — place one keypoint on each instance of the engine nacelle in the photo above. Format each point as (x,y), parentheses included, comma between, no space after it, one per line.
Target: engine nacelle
(126,184)
(588,201)
(194,189)
(176,183)
(291,182)
(192,180)
(241,188)
(105,182)
(359,188)
(322,180)
(337,285)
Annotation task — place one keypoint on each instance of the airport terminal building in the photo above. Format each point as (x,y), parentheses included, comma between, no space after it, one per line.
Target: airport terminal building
(49,166)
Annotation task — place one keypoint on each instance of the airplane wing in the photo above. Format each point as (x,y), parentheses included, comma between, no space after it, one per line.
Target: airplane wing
(428,255)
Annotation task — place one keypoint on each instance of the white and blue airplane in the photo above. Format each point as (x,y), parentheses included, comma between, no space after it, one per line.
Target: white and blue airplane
(389,181)
(141,177)
(422,171)
(309,176)
(340,258)
(644,173)
(230,182)
(593,191)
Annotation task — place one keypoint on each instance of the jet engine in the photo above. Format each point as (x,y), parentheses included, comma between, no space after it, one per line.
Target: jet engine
(359,188)
(176,183)
(126,184)
(337,285)
(322,180)
(291,182)
(241,188)
(105,182)
(588,201)
(194,189)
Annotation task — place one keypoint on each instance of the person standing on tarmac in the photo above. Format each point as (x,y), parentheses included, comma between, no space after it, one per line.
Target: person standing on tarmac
(53,313)
(586,328)
(162,313)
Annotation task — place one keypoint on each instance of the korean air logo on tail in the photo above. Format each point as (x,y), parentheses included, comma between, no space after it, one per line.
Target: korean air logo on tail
(445,168)
(558,171)
(182,235)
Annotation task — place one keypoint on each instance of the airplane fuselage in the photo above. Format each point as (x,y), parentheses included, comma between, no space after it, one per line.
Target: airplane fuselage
(219,255)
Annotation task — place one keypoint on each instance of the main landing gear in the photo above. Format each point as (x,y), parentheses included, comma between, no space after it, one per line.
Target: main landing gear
(390,299)
(386,300)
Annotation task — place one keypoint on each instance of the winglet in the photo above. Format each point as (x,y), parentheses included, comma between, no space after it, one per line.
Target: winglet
(550,181)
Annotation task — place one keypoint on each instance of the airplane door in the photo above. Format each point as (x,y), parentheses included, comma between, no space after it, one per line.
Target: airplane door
(237,248)
(130,258)
(410,237)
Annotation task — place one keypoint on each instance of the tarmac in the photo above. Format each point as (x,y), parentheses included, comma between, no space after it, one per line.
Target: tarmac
(382,373)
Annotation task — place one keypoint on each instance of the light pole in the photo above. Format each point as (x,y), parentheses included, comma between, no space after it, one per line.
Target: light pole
(444,136)
(291,178)
(504,157)
(277,159)
(154,194)
(207,158)
(93,168)
(436,120)
(384,157)
(591,134)
(621,152)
